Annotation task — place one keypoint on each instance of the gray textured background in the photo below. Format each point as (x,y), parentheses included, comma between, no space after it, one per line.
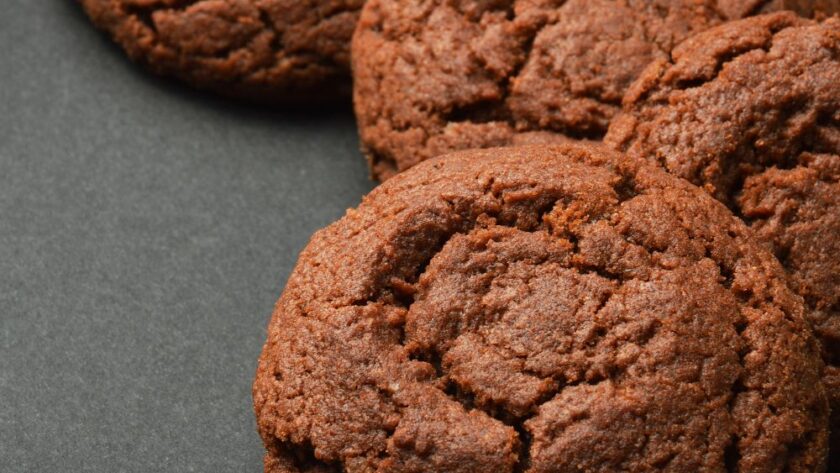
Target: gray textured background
(145,232)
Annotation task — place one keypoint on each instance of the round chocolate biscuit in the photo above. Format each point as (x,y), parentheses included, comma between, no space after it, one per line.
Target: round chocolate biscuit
(263,50)
(539,309)
(436,76)
(751,111)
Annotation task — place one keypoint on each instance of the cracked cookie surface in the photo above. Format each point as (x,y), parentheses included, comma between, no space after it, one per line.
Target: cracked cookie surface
(751,111)
(263,50)
(537,309)
(435,76)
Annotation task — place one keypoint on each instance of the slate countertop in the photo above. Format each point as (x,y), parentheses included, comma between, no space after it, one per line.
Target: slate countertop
(146,231)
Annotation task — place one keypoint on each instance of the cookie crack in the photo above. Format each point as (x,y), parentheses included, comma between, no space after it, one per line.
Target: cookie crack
(722,59)
(497,109)
(144,14)
(504,413)
(393,287)
(449,386)
(625,189)
(757,8)
(301,457)
(732,452)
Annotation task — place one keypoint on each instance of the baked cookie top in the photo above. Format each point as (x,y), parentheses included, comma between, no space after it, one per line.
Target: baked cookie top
(751,111)
(537,309)
(265,50)
(436,76)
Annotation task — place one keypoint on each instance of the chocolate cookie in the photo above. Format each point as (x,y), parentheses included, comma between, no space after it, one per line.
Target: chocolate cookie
(751,111)
(546,308)
(265,50)
(436,76)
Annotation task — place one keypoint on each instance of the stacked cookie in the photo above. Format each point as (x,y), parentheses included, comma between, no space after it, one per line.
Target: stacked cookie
(645,278)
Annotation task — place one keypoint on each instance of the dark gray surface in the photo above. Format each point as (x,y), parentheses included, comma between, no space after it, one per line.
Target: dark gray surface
(145,233)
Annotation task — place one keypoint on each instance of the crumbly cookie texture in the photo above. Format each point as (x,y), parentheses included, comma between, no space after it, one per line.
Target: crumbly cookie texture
(265,50)
(436,76)
(536,309)
(751,111)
